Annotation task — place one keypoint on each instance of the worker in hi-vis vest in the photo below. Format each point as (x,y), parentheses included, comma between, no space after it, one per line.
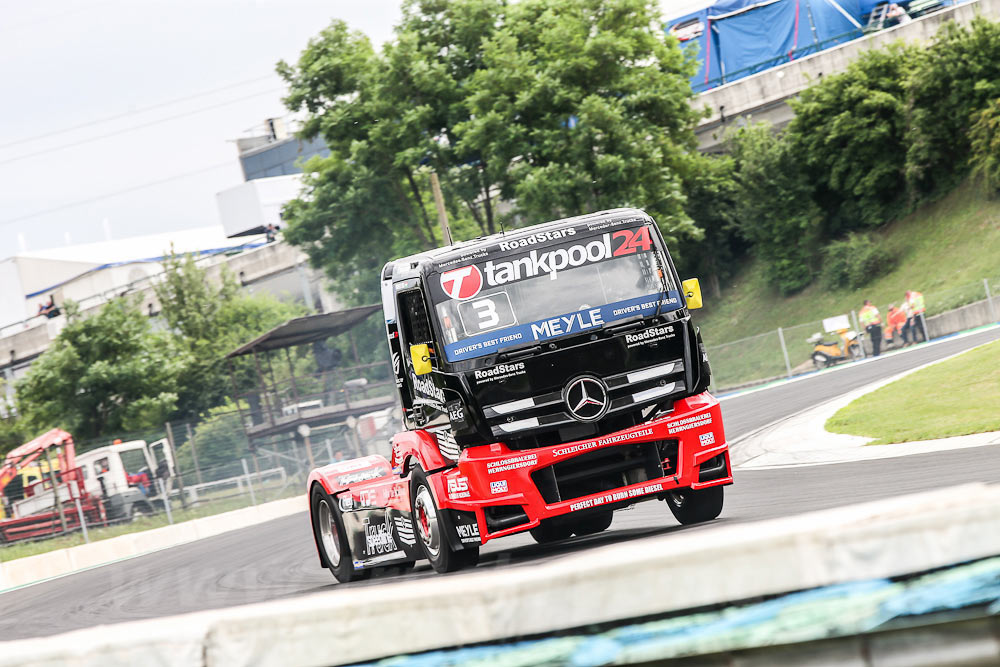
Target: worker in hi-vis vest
(871,321)
(915,316)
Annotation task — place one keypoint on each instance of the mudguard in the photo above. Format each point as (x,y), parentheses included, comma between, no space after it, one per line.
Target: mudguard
(337,477)
(421,447)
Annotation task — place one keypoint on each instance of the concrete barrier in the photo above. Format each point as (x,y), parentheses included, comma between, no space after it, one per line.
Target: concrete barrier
(961,319)
(32,569)
(709,565)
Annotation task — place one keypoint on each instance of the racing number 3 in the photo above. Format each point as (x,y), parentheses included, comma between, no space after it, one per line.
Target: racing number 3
(631,242)
(487,311)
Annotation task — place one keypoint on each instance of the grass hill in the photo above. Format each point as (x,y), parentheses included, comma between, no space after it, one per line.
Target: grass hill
(944,250)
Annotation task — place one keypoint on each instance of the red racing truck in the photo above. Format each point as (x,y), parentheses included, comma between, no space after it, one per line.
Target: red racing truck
(548,377)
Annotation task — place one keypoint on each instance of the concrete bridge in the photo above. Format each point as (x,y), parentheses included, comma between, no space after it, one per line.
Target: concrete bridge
(764,96)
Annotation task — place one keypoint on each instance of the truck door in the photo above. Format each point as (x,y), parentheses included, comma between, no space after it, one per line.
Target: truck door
(161,458)
(427,397)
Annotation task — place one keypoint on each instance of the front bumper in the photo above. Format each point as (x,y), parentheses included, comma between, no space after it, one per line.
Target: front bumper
(510,491)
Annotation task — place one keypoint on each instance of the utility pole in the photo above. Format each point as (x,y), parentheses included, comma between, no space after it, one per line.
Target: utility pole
(442,214)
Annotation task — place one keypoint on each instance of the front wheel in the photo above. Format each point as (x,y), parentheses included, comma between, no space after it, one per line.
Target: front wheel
(594,523)
(431,526)
(551,530)
(332,539)
(690,506)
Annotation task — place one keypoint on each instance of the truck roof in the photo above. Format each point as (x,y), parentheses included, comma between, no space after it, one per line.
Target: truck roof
(410,263)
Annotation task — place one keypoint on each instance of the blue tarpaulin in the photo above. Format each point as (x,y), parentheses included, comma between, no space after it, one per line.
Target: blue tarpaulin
(742,37)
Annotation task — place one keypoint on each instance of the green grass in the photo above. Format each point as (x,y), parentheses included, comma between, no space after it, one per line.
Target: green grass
(944,250)
(955,397)
(207,506)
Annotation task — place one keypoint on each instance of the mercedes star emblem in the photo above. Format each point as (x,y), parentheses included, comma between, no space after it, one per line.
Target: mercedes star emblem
(587,399)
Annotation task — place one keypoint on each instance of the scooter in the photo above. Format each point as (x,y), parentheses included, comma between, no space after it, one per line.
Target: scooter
(826,354)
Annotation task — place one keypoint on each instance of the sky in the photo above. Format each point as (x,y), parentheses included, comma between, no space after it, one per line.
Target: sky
(119,116)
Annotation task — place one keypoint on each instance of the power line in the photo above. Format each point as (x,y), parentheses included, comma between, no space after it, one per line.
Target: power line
(98,137)
(108,195)
(133,112)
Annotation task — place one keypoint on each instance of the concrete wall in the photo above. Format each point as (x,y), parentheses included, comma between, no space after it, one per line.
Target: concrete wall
(967,317)
(764,96)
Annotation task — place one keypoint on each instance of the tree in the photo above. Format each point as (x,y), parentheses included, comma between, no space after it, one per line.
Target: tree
(711,191)
(985,139)
(104,374)
(386,118)
(582,106)
(849,131)
(953,79)
(559,107)
(210,318)
(774,206)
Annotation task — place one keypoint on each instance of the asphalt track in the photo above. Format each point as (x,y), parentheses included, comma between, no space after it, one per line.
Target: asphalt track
(277,559)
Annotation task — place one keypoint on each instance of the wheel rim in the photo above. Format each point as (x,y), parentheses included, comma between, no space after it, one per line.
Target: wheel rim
(677,498)
(328,533)
(427,524)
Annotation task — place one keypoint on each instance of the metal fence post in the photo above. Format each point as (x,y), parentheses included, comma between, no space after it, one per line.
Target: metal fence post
(784,351)
(166,499)
(194,452)
(989,300)
(54,481)
(79,513)
(246,473)
(857,327)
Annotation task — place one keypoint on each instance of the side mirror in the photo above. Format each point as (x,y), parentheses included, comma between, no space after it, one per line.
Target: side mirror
(421,357)
(692,293)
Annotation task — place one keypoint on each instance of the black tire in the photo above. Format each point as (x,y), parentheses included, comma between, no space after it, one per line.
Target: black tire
(820,361)
(593,523)
(856,354)
(432,529)
(689,506)
(551,530)
(331,538)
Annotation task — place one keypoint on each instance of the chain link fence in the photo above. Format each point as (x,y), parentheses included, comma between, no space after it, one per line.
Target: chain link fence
(788,351)
(127,483)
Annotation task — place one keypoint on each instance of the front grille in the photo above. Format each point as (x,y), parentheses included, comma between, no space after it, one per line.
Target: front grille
(605,469)
(547,414)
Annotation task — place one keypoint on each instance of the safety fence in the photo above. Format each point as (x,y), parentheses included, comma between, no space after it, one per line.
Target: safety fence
(789,350)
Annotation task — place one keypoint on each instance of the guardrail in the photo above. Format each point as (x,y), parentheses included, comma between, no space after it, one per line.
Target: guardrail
(607,585)
(241,482)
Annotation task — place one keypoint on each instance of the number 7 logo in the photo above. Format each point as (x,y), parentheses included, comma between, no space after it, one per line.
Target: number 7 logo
(463,283)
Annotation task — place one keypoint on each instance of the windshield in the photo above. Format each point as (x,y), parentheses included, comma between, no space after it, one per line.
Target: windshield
(550,292)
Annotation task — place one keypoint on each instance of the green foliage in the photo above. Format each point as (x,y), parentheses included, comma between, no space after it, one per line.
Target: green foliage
(854,261)
(985,139)
(209,319)
(105,373)
(849,131)
(219,439)
(953,79)
(775,207)
(13,432)
(710,186)
(588,102)
(485,92)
